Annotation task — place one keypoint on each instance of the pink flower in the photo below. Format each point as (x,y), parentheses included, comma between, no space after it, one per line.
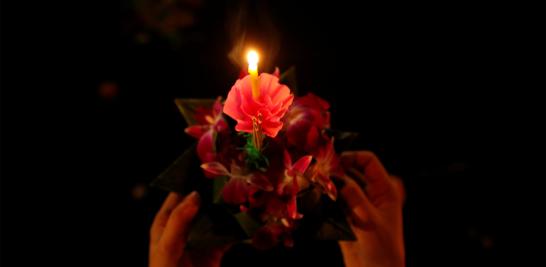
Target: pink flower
(290,186)
(209,123)
(266,111)
(327,165)
(241,185)
(280,206)
(305,122)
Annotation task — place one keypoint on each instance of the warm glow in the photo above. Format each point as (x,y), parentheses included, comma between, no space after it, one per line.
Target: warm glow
(253,58)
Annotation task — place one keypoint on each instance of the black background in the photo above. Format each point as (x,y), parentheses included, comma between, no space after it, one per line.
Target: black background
(449,95)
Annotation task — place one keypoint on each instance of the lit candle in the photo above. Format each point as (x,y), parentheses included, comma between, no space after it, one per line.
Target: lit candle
(252,58)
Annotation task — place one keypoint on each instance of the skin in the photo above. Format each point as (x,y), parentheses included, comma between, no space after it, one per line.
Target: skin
(375,215)
(169,233)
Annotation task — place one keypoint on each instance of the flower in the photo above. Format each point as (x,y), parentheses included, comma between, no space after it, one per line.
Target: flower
(209,123)
(327,164)
(290,185)
(305,121)
(279,207)
(241,185)
(277,165)
(266,111)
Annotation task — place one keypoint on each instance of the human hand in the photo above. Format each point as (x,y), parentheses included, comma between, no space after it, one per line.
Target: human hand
(169,233)
(375,213)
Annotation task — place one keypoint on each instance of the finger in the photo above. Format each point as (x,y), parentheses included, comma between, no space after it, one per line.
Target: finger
(163,214)
(373,173)
(362,211)
(399,188)
(173,238)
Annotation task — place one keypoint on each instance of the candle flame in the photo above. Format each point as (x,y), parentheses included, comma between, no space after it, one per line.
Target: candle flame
(252,58)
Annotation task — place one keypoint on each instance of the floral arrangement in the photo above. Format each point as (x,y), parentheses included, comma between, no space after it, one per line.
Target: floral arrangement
(265,166)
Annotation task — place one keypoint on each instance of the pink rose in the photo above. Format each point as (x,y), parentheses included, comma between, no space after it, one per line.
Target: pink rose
(305,122)
(266,111)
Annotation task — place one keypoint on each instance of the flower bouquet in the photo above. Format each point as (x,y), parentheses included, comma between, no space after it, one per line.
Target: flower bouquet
(264,164)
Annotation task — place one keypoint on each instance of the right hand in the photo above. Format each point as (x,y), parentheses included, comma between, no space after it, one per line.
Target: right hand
(375,213)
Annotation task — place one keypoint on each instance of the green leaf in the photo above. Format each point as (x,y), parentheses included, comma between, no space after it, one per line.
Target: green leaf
(188,107)
(254,157)
(309,199)
(215,227)
(333,229)
(342,135)
(334,224)
(183,175)
(289,78)
(324,219)
(217,187)
(247,223)
(343,140)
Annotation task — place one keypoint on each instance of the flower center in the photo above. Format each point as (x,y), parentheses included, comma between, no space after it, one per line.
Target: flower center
(259,118)
(209,119)
(257,135)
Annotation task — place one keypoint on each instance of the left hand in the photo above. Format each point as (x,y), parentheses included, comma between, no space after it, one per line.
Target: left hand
(169,233)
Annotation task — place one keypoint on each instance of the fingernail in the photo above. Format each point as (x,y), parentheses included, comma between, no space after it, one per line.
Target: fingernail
(194,198)
(360,217)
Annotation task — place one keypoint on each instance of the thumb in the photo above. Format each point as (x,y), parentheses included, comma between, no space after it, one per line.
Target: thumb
(173,239)
(362,210)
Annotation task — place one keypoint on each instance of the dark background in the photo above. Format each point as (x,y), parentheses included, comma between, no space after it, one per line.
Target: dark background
(449,95)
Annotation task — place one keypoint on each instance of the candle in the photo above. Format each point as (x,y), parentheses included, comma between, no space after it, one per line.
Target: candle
(252,58)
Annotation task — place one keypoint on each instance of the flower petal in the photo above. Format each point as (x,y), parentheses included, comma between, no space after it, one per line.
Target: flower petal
(261,181)
(271,128)
(244,126)
(236,191)
(277,72)
(331,190)
(268,109)
(301,165)
(197,130)
(287,160)
(206,149)
(292,208)
(221,125)
(232,107)
(215,168)
(217,107)
(312,140)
